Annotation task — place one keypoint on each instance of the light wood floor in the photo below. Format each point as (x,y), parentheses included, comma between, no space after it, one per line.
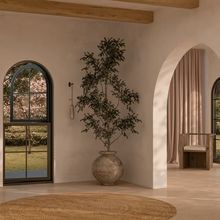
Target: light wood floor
(195,193)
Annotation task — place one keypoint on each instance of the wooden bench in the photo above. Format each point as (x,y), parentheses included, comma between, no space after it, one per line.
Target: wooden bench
(196,151)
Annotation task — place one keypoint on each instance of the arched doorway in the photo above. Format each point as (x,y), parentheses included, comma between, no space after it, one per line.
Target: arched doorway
(27,124)
(160,113)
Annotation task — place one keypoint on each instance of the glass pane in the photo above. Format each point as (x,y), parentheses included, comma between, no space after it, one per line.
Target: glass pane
(7,83)
(6,107)
(217,149)
(217,90)
(21,106)
(217,127)
(15,165)
(39,135)
(15,139)
(37,164)
(38,106)
(217,109)
(21,83)
(38,83)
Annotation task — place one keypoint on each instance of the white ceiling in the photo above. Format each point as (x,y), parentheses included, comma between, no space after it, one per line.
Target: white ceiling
(110,3)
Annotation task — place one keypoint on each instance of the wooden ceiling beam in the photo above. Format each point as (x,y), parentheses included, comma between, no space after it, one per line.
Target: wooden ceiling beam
(188,4)
(76,10)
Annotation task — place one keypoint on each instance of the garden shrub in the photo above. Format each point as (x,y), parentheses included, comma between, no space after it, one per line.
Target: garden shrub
(16,136)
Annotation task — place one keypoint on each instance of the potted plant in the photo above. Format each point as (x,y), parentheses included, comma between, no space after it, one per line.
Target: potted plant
(107,106)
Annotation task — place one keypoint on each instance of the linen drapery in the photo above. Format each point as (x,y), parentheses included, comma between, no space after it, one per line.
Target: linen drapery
(185,101)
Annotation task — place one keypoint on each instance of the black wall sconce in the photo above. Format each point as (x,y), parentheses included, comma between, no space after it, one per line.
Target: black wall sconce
(72,109)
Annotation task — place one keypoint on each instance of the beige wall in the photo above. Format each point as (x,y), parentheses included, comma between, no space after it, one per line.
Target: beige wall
(173,33)
(58,44)
(212,73)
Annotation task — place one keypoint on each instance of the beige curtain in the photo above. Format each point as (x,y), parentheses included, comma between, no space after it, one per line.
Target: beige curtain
(185,101)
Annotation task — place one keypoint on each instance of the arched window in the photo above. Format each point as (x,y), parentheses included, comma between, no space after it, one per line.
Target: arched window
(216,119)
(27,93)
(27,123)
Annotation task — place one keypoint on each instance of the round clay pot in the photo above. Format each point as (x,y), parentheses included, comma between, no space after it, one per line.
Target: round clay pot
(107,168)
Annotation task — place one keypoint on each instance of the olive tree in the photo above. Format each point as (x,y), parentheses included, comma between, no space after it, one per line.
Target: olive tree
(106,102)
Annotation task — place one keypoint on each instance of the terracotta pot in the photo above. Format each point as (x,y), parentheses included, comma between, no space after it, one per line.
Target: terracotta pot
(107,168)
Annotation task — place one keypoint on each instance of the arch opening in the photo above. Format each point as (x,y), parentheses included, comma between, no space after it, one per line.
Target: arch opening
(160,111)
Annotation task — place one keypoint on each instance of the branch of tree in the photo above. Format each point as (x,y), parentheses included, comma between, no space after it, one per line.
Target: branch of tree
(115,139)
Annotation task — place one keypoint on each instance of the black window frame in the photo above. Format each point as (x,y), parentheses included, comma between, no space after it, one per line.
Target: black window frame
(214,120)
(27,65)
(32,122)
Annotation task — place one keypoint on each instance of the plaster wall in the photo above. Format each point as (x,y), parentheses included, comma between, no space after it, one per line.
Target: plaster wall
(212,73)
(160,49)
(58,43)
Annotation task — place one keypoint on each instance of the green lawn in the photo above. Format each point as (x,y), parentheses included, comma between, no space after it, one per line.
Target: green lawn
(218,154)
(218,147)
(15,149)
(17,161)
(23,148)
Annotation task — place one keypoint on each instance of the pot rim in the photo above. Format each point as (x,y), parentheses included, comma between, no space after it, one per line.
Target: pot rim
(108,152)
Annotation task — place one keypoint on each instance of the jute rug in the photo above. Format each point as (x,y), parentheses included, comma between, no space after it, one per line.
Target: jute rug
(89,206)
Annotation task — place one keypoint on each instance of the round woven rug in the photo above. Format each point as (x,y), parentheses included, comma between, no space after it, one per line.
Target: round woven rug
(97,206)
